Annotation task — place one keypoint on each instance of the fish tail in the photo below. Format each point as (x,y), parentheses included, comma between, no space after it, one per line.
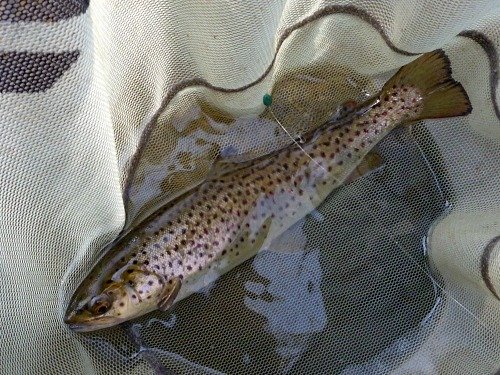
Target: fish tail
(441,95)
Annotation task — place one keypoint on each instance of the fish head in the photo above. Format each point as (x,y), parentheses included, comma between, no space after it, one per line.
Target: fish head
(127,294)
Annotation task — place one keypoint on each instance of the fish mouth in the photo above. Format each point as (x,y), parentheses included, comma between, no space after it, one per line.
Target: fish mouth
(84,327)
(80,321)
(75,323)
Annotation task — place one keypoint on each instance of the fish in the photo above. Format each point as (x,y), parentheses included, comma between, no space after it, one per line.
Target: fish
(227,219)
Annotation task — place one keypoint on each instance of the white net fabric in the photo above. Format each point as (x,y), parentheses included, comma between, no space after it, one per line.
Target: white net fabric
(108,110)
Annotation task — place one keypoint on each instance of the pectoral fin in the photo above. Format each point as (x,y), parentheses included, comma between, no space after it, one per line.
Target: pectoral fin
(169,293)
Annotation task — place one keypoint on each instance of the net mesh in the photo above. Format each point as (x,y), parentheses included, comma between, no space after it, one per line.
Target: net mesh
(108,111)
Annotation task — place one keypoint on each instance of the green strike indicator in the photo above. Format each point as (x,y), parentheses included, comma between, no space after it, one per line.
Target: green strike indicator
(267,100)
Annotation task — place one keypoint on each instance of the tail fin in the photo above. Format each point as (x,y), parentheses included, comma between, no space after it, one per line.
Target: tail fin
(431,75)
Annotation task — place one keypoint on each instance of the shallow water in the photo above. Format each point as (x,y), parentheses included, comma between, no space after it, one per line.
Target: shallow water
(345,290)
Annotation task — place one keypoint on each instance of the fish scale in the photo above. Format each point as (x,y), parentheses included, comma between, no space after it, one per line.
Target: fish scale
(227,219)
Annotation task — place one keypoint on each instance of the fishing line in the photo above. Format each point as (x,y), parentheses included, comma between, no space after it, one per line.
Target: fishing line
(268,100)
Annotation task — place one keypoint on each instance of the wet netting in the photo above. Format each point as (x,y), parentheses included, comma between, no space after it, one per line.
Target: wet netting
(111,109)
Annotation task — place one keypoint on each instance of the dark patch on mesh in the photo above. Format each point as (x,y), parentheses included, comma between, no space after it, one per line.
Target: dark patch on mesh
(31,72)
(485,265)
(41,11)
(492,54)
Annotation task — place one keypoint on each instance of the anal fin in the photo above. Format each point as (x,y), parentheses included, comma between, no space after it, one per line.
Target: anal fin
(370,162)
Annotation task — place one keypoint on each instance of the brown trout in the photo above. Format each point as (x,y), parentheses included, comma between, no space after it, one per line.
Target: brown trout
(228,219)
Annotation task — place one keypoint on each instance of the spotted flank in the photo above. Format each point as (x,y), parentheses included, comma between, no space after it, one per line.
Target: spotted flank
(229,218)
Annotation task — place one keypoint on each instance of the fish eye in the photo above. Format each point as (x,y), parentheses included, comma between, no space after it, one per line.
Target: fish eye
(100,304)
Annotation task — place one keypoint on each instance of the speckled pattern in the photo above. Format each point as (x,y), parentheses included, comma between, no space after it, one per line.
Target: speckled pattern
(227,212)
(228,219)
